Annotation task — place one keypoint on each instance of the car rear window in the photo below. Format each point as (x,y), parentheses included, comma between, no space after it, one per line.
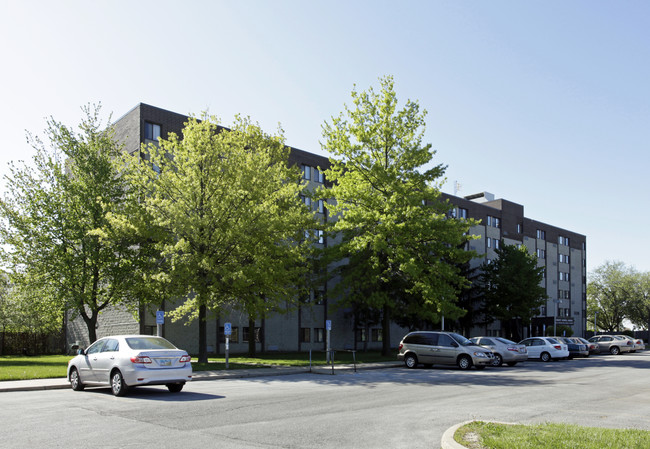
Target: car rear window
(149,343)
(505,341)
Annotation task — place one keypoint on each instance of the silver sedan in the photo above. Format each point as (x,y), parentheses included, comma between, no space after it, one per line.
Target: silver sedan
(125,361)
(504,350)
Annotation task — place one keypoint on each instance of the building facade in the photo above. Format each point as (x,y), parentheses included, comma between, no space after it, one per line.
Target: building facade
(304,327)
(562,254)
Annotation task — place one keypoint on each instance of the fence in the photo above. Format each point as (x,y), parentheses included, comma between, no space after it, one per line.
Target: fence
(31,343)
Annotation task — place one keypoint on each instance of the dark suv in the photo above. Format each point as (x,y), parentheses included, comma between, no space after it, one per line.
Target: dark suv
(442,348)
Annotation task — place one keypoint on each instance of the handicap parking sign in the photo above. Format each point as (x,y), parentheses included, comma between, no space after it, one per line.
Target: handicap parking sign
(227,329)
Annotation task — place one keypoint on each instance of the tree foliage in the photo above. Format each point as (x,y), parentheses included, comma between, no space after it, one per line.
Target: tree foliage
(59,247)
(610,293)
(228,219)
(394,228)
(512,288)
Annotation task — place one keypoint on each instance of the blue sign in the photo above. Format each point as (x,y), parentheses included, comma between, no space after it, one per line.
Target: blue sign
(328,325)
(227,329)
(160,317)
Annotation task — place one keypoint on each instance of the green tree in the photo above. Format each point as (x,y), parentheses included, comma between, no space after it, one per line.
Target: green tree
(610,289)
(230,225)
(389,210)
(512,288)
(58,243)
(639,307)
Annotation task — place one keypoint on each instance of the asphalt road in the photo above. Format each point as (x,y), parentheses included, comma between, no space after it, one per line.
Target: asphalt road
(389,408)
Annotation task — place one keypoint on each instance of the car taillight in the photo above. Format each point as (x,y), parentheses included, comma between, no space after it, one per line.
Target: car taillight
(140,359)
(185,359)
(558,347)
(400,347)
(513,349)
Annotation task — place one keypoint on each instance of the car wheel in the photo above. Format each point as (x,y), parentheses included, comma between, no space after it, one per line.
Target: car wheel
(464,362)
(614,350)
(118,386)
(175,388)
(75,381)
(498,360)
(545,357)
(512,363)
(411,361)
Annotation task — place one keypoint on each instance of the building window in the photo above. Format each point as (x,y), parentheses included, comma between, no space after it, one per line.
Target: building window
(321,236)
(564,258)
(305,335)
(495,222)
(564,276)
(462,213)
(319,335)
(319,297)
(377,335)
(497,243)
(563,240)
(151,131)
(541,254)
(564,294)
(306,200)
(541,234)
(320,206)
(246,336)
(306,172)
(489,242)
(520,228)
(361,335)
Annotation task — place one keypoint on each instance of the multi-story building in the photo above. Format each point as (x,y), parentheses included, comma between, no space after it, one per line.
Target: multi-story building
(561,252)
(304,327)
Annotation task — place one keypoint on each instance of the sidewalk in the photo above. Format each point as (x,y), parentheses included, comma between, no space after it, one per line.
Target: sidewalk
(62,382)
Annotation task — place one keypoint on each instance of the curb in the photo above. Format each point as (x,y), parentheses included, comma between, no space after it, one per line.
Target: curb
(448,442)
(60,383)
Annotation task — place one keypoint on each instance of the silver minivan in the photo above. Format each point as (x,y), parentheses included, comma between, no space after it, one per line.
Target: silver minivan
(442,348)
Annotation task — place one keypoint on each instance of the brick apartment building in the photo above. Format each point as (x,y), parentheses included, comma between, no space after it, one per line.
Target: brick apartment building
(502,222)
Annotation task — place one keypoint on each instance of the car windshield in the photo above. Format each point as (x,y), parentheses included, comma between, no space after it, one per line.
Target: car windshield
(505,340)
(462,340)
(552,341)
(149,343)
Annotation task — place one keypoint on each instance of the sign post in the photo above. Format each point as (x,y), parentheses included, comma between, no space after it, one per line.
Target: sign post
(328,327)
(227,330)
(160,320)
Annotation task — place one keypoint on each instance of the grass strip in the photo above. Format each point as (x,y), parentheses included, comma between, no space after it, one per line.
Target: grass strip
(47,366)
(486,435)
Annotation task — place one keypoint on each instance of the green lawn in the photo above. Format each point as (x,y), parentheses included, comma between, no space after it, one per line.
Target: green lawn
(481,435)
(40,367)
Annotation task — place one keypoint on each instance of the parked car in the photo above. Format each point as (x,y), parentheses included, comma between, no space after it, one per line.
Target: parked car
(503,349)
(125,361)
(576,347)
(593,346)
(442,348)
(636,346)
(640,344)
(611,344)
(545,348)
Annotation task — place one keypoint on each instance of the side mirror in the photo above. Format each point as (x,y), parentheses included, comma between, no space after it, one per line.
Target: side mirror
(81,351)
(454,344)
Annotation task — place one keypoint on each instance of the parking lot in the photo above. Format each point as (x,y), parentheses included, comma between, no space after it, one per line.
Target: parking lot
(390,408)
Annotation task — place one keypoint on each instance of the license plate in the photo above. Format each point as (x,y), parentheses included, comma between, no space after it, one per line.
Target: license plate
(164,362)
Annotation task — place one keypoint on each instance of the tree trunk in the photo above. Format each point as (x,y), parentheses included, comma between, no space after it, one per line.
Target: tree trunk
(203,334)
(251,336)
(385,329)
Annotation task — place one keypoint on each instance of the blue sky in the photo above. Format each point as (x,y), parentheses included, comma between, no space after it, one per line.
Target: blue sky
(546,104)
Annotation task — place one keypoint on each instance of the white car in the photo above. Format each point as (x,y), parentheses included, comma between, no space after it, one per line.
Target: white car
(545,348)
(124,361)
